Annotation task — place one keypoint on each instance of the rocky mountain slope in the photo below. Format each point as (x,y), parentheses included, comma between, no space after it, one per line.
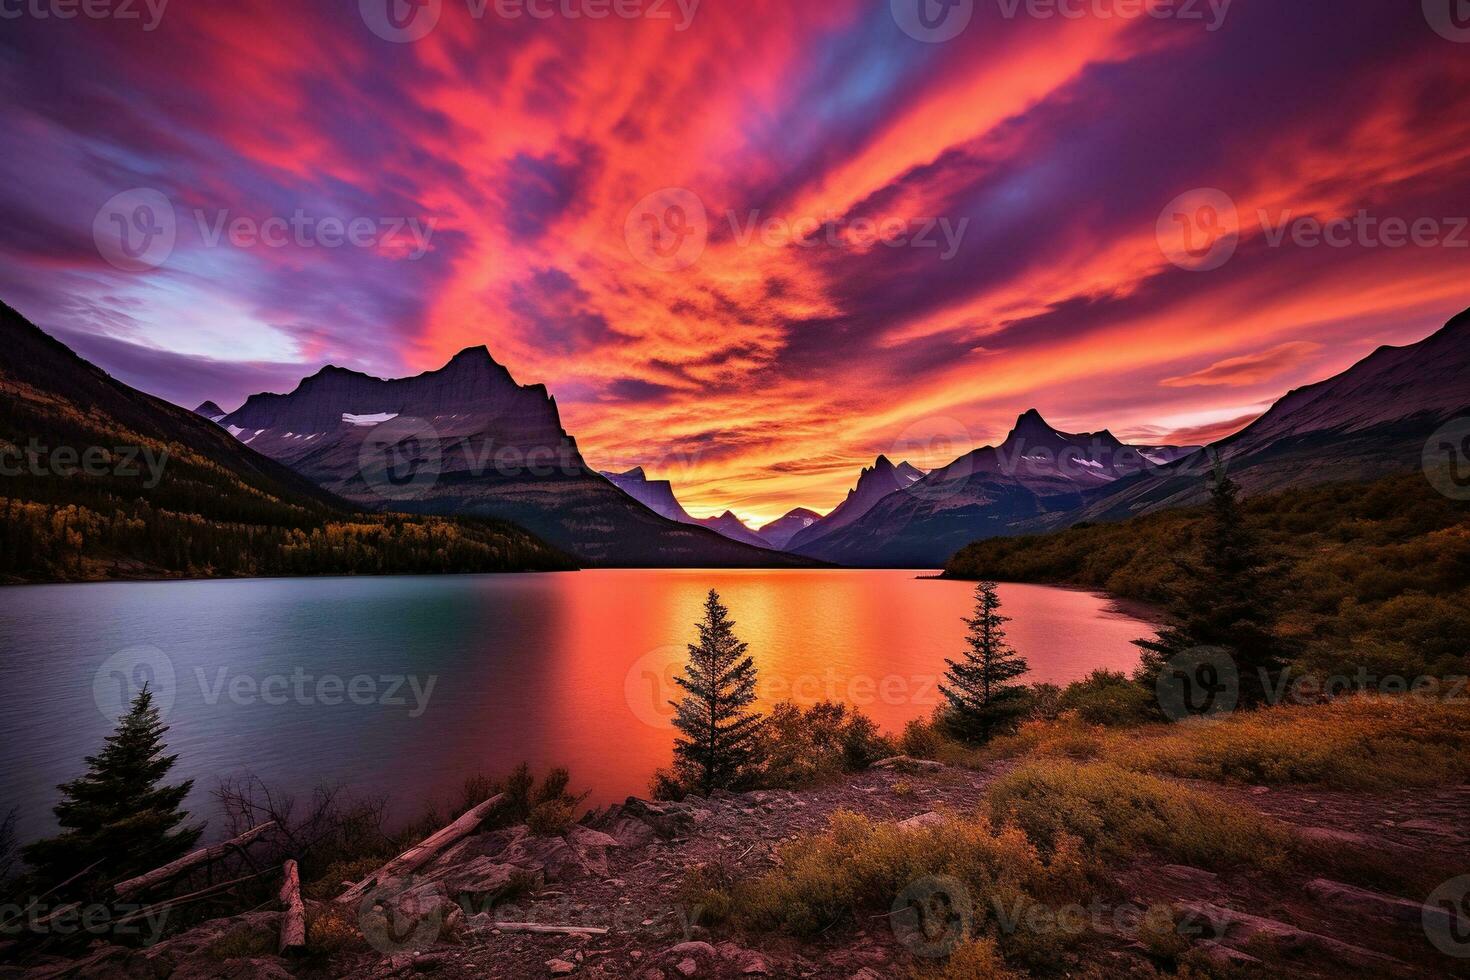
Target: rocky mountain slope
(1372,420)
(1037,470)
(122,484)
(468,440)
(656,495)
(873,484)
(778,533)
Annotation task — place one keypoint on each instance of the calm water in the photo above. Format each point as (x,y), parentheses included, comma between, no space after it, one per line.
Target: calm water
(407,685)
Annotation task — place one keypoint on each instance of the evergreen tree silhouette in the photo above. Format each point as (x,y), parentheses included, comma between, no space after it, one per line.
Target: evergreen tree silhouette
(982,699)
(1227,601)
(718,736)
(118,813)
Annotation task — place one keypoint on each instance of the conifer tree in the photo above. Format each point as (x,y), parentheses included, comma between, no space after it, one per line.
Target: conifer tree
(718,736)
(1227,601)
(118,813)
(982,700)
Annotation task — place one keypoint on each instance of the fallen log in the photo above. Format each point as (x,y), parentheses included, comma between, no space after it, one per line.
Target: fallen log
(199,858)
(293,919)
(421,853)
(172,903)
(537,927)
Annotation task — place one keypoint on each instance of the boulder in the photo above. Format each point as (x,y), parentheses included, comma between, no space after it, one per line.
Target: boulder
(930,819)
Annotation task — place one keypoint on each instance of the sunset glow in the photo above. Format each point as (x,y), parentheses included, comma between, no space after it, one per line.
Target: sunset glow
(500,171)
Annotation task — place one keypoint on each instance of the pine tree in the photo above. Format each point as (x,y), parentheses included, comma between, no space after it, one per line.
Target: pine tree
(117,813)
(1226,601)
(718,736)
(982,700)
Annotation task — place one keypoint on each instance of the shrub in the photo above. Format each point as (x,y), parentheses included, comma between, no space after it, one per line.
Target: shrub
(550,818)
(1110,698)
(921,739)
(977,959)
(1044,702)
(861,865)
(805,746)
(707,894)
(1116,812)
(1360,742)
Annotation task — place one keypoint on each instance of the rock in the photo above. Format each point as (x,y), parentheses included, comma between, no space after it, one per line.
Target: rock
(667,819)
(1238,929)
(691,949)
(1224,955)
(1327,835)
(687,966)
(867,973)
(904,763)
(930,819)
(1260,790)
(560,968)
(1187,875)
(1364,902)
(480,876)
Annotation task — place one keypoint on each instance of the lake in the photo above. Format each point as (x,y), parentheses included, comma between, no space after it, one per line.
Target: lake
(404,686)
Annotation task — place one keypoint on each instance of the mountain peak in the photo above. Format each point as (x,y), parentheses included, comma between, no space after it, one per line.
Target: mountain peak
(477,353)
(882,464)
(209,410)
(1030,425)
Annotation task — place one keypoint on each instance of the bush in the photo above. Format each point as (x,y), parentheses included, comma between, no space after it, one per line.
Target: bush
(707,894)
(806,746)
(921,739)
(1116,812)
(1364,741)
(550,819)
(1044,702)
(1109,698)
(977,959)
(860,865)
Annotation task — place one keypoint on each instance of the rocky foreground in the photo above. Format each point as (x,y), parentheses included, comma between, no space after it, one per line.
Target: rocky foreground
(614,890)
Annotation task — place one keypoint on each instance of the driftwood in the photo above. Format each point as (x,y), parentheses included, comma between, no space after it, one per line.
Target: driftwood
(150,910)
(203,856)
(537,927)
(293,919)
(421,853)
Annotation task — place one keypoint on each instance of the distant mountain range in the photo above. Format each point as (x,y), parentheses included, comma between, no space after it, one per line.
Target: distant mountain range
(778,533)
(116,483)
(1036,470)
(467,439)
(1370,421)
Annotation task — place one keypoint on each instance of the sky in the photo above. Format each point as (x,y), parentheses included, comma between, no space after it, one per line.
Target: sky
(747,245)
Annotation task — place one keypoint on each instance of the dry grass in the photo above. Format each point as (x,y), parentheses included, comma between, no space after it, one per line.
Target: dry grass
(1117,813)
